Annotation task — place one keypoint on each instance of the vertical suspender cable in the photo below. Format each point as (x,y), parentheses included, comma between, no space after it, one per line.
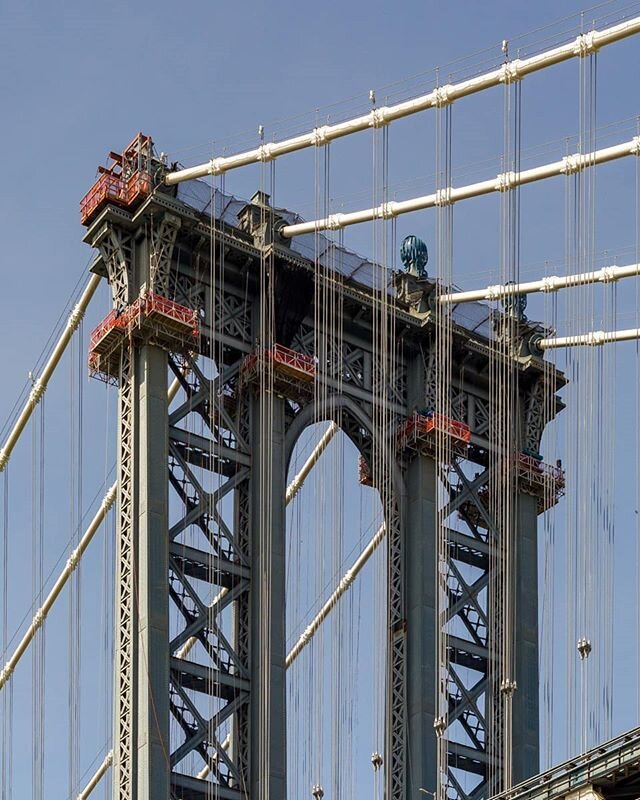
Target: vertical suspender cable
(7,696)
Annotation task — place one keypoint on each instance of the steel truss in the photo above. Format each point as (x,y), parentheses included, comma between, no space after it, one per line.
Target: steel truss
(212,512)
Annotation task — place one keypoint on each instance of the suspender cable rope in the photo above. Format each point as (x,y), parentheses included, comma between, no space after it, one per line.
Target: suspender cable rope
(551,283)
(41,383)
(510,71)
(568,165)
(69,569)
(593,338)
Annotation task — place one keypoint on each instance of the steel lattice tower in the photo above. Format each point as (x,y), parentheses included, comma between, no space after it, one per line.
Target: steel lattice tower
(155,249)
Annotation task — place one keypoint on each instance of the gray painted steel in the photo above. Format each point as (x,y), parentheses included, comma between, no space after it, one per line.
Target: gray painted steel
(235,676)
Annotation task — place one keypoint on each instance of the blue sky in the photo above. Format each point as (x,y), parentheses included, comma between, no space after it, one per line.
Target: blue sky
(79,79)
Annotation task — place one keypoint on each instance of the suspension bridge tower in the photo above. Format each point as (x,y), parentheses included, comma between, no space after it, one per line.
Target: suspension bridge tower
(212,301)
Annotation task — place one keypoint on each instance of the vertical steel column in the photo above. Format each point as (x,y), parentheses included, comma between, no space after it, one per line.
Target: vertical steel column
(421,605)
(124,731)
(268,751)
(526,711)
(141,676)
(151,595)
(420,556)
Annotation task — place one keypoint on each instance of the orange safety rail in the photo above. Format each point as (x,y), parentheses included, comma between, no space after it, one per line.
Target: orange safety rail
(299,364)
(109,188)
(538,470)
(156,302)
(112,321)
(138,185)
(113,187)
(364,473)
(141,309)
(285,361)
(428,423)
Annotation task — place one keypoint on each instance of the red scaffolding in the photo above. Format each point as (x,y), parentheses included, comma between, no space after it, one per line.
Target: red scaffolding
(419,432)
(124,183)
(293,372)
(150,318)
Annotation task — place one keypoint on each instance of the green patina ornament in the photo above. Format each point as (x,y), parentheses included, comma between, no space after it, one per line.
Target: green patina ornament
(415,256)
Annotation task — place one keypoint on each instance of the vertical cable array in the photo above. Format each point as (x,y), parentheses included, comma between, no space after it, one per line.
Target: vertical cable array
(588,545)
(548,599)
(379,753)
(505,435)
(389,671)
(444,451)
(7,694)
(317,659)
(74,611)
(637,422)
(265,489)
(509,411)
(37,573)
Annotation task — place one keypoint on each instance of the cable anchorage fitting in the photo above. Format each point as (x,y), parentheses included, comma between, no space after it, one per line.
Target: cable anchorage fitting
(265,153)
(439,725)
(317,792)
(550,284)
(379,117)
(584,648)
(585,44)
(387,210)
(74,317)
(37,391)
(495,292)
(442,96)
(574,163)
(510,71)
(508,686)
(334,222)
(444,197)
(376,760)
(320,136)
(505,181)
(609,274)
(73,560)
(216,166)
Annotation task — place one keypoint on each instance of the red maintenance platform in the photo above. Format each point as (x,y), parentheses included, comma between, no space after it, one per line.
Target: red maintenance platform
(151,318)
(419,433)
(125,182)
(293,373)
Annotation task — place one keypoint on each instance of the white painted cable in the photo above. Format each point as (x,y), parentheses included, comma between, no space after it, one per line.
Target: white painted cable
(593,339)
(73,561)
(70,567)
(551,283)
(341,588)
(40,385)
(296,484)
(501,183)
(582,46)
(97,777)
